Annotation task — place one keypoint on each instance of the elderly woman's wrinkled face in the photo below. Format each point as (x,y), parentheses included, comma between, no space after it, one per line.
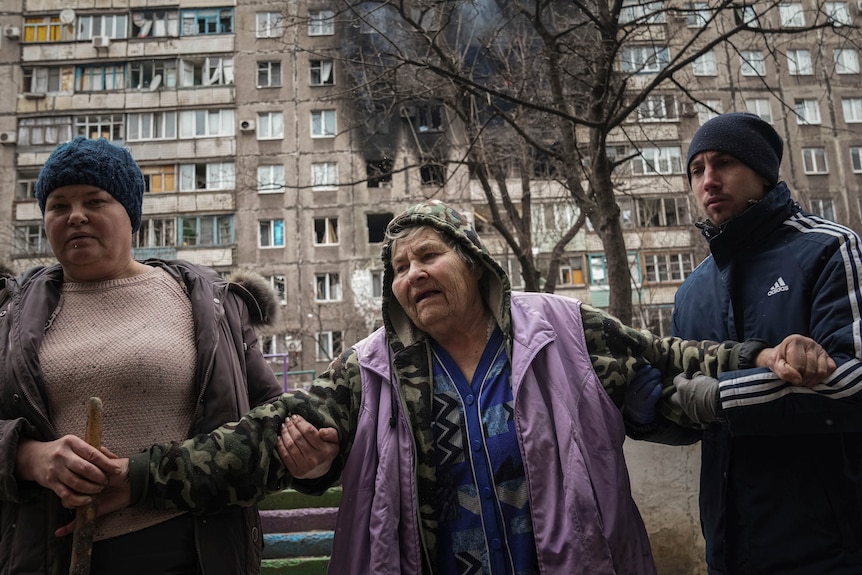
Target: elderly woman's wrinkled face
(89,231)
(433,284)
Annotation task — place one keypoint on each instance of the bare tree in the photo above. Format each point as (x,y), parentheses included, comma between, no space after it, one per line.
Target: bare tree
(547,91)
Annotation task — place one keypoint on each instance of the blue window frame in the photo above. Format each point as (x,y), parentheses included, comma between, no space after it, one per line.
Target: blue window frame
(203,231)
(207,21)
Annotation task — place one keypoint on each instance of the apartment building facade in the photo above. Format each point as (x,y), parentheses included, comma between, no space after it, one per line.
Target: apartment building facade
(236,112)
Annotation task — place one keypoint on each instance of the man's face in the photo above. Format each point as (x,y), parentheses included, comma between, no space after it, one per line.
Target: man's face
(724,186)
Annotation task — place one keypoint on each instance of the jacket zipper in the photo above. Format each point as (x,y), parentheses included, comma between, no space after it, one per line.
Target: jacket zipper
(399,401)
(29,398)
(203,382)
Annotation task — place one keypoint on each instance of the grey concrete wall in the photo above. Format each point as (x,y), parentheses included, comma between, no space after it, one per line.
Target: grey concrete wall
(665,486)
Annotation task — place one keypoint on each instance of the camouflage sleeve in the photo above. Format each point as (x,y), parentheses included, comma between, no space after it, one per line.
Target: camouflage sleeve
(237,464)
(616,349)
(333,400)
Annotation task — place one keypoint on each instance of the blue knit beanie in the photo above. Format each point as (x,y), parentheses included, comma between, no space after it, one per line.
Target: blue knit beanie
(744,136)
(95,163)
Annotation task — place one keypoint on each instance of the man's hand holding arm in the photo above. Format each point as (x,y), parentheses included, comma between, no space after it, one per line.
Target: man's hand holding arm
(799,360)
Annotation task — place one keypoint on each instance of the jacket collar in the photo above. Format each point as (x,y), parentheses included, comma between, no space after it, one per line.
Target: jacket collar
(752,226)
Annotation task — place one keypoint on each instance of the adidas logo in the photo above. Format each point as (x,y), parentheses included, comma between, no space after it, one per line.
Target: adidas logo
(778,286)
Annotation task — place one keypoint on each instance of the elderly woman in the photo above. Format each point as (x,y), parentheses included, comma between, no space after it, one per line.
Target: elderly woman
(479,430)
(168,346)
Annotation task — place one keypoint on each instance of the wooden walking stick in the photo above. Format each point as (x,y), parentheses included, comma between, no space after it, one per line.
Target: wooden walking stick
(85,520)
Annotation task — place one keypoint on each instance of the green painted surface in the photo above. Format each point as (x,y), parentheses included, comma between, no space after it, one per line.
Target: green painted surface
(297,566)
(291,499)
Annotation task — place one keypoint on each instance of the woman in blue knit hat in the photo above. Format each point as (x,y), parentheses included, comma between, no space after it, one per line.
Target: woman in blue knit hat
(168,346)
(781,478)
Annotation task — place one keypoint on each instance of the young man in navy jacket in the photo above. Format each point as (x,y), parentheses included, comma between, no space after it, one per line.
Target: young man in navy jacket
(781,478)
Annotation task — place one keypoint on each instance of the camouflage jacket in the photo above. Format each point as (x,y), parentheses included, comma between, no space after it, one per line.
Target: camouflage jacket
(378,395)
(237,464)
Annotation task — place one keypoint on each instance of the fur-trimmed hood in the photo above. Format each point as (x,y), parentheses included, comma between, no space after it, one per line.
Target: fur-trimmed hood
(256,292)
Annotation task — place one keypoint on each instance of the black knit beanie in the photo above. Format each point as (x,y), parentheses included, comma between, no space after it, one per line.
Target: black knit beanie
(744,136)
(95,163)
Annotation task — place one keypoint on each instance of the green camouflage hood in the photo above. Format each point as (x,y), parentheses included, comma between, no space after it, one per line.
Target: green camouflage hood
(495,287)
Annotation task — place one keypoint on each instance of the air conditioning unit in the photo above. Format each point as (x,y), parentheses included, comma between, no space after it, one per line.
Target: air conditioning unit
(12,32)
(294,346)
(8,137)
(101,41)
(246,126)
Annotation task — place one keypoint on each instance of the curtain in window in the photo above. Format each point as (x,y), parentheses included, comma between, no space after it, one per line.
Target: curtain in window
(326,72)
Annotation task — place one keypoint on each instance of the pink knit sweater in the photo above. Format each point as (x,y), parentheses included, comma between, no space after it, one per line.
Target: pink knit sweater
(129,342)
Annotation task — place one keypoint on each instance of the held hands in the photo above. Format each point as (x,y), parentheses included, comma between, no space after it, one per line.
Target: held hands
(642,395)
(307,452)
(798,360)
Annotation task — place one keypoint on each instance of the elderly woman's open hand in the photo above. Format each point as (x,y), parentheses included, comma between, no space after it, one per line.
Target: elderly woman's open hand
(306,451)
